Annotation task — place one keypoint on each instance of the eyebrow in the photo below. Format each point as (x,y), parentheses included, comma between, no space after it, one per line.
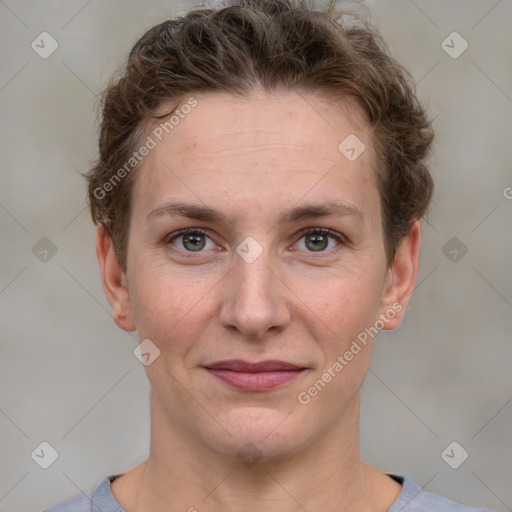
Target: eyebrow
(207,214)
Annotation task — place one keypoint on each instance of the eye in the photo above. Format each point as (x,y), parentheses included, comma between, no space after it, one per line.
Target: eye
(314,240)
(317,239)
(191,240)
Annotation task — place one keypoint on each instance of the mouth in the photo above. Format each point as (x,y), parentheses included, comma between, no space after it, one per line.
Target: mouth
(258,376)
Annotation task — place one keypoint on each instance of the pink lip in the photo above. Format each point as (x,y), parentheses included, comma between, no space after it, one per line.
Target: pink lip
(255,376)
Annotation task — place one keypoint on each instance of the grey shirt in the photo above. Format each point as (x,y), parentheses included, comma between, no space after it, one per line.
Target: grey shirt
(412,499)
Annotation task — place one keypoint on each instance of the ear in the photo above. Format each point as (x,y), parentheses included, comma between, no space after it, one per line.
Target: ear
(114,281)
(401,279)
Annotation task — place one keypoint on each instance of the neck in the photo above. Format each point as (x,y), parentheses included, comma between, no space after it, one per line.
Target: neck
(326,475)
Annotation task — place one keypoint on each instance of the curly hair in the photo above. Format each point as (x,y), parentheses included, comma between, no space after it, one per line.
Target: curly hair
(268,44)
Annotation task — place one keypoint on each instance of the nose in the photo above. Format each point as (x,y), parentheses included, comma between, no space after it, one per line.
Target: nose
(255,299)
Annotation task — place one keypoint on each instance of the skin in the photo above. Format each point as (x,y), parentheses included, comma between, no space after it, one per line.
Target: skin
(291,303)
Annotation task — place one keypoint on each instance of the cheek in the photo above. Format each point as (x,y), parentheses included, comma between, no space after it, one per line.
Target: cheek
(154,305)
(345,339)
(344,301)
(169,308)
(342,319)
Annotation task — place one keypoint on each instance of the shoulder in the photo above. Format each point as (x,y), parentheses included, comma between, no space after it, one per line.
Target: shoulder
(99,499)
(414,499)
(80,503)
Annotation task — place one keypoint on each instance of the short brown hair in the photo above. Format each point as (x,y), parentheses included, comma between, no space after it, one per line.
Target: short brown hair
(269,44)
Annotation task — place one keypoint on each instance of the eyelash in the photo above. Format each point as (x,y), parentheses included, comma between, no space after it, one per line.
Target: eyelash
(341,239)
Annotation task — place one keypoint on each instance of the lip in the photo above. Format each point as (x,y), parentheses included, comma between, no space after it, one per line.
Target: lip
(259,376)
(239,365)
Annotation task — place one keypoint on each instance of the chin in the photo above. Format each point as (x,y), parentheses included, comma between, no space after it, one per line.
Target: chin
(258,434)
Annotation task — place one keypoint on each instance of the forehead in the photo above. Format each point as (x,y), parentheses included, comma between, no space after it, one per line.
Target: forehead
(268,148)
(303,118)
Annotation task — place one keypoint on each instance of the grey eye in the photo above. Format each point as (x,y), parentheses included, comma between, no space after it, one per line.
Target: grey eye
(320,240)
(316,242)
(193,242)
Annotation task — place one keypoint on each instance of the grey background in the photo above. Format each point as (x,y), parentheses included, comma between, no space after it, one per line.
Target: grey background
(69,376)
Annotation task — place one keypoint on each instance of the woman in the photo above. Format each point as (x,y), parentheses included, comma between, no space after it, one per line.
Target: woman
(258,195)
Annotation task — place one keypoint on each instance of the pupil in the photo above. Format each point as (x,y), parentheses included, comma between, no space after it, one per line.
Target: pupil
(196,241)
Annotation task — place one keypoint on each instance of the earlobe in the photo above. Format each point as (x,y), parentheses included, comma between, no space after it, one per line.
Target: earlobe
(401,279)
(114,281)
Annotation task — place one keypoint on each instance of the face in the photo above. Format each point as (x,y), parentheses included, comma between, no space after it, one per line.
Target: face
(255,238)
